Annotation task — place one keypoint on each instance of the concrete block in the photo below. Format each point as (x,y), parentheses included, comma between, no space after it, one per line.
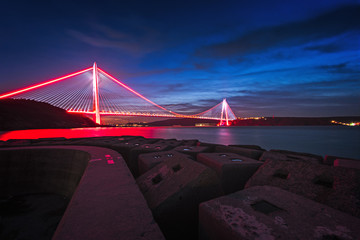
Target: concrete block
(170,142)
(334,186)
(233,170)
(247,152)
(289,155)
(18,142)
(173,191)
(192,150)
(190,142)
(256,147)
(149,160)
(329,160)
(347,163)
(132,158)
(104,141)
(211,146)
(124,147)
(271,213)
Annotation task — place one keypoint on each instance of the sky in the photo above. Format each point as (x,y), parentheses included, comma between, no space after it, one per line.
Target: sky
(267,58)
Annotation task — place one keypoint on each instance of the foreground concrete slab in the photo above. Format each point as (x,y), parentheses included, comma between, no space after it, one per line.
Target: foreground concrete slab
(233,170)
(271,213)
(107,203)
(173,190)
(337,187)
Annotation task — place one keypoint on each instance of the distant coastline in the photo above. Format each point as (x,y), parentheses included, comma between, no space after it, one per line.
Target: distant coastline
(19,114)
(264,121)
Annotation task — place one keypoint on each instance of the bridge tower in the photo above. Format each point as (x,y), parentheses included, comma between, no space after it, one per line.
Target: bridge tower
(224,119)
(96,94)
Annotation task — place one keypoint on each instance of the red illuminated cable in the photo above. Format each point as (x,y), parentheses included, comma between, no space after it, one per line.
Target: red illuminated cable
(230,108)
(111,108)
(133,91)
(42,84)
(208,109)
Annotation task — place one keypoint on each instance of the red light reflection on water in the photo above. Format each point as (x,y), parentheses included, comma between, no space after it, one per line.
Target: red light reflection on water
(147,132)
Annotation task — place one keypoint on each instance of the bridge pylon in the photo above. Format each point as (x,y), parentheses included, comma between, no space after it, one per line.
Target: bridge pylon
(96,107)
(224,119)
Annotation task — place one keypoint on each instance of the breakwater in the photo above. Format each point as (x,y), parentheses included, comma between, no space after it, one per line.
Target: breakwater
(192,189)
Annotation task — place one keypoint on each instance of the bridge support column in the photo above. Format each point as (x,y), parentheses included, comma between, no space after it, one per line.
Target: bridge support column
(96,95)
(224,114)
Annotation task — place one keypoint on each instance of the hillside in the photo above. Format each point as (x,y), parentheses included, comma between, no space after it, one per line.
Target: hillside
(16,114)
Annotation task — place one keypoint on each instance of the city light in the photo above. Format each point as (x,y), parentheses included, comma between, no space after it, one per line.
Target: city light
(352,124)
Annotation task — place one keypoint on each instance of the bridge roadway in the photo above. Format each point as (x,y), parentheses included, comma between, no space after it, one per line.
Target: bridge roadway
(146,114)
(107,203)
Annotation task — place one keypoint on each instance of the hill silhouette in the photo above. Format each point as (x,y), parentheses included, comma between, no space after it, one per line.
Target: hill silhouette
(18,114)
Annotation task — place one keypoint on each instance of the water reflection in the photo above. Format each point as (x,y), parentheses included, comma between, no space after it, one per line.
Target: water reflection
(323,140)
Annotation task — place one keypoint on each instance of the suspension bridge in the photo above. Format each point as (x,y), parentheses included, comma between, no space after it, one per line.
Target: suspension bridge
(95,92)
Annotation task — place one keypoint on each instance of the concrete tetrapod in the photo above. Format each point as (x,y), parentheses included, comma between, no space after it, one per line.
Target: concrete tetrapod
(173,191)
(233,170)
(247,152)
(336,187)
(149,160)
(272,213)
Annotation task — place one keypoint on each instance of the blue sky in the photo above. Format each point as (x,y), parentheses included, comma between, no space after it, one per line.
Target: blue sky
(267,58)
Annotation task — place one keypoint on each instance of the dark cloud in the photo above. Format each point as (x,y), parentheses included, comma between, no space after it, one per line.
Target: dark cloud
(176,87)
(266,104)
(203,66)
(324,48)
(340,68)
(139,42)
(338,83)
(184,108)
(326,25)
(157,72)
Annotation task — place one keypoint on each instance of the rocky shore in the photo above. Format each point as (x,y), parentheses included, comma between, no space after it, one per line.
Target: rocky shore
(193,190)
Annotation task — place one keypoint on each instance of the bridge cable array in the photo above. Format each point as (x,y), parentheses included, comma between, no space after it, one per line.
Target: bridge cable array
(94,91)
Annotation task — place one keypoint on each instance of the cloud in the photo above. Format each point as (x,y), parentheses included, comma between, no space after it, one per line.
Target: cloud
(340,68)
(285,104)
(184,108)
(157,72)
(137,43)
(326,25)
(324,48)
(176,87)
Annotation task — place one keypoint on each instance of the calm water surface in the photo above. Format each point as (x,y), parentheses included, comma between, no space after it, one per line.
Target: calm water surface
(323,140)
